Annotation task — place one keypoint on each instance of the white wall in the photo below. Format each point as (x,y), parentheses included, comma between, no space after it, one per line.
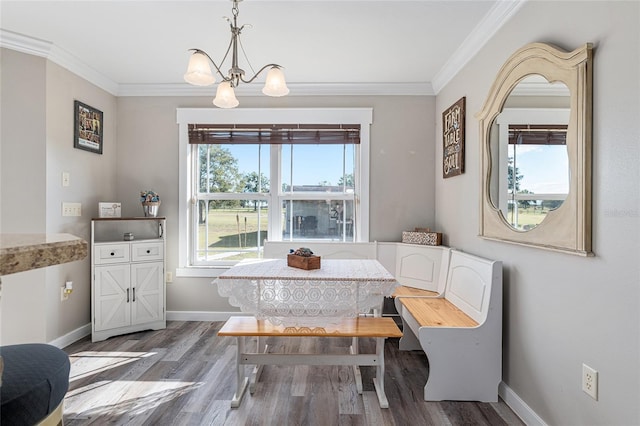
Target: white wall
(402,175)
(22,177)
(37,146)
(563,310)
(92,179)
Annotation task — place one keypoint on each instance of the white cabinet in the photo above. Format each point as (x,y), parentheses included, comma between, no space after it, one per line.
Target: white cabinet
(128,277)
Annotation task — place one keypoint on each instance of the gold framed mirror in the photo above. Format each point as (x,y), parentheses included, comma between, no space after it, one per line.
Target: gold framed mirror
(535,133)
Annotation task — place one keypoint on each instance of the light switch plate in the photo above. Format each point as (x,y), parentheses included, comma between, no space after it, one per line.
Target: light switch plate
(71,209)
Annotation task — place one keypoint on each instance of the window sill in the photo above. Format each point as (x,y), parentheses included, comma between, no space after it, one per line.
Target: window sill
(201,271)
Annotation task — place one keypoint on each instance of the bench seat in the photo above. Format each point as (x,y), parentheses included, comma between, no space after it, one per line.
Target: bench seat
(373,327)
(405,291)
(436,312)
(460,331)
(347,327)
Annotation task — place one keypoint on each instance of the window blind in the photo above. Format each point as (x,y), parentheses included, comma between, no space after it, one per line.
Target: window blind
(537,134)
(274,134)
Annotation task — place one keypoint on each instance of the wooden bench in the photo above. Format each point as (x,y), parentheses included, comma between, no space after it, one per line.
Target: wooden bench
(374,327)
(460,331)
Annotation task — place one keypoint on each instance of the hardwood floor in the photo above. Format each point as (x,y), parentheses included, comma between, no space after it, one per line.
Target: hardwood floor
(185,375)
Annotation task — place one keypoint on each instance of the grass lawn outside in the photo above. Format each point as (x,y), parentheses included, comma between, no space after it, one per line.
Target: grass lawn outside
(529,217)
(233,230)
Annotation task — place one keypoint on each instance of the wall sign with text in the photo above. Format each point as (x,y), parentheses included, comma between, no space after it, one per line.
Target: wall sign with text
(453,139)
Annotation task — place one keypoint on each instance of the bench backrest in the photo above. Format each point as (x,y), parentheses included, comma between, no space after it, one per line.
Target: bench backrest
(471,280)
(418,266)
(423,267)
(328,250)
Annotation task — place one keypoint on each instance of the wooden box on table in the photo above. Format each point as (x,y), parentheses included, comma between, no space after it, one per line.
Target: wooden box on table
(303,262)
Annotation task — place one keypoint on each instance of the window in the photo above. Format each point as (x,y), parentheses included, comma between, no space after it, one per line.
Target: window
(531,194)
(241,183)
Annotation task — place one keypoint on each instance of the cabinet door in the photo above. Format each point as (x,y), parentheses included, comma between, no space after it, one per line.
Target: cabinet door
(112,297)
(147,286)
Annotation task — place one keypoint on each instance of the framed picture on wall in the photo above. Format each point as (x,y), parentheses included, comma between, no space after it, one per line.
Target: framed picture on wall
(88,123)
(453,139)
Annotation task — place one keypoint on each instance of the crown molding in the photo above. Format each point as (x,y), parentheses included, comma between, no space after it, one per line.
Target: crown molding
(499,14)
(25,44)
(76,66)
(296,89)
(50,51)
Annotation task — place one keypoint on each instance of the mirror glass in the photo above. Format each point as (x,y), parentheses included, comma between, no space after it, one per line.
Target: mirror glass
(528,152)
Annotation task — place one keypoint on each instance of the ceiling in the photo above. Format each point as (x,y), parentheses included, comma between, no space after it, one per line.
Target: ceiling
(134,47)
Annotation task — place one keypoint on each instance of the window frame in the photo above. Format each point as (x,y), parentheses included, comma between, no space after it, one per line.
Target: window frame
(186,203)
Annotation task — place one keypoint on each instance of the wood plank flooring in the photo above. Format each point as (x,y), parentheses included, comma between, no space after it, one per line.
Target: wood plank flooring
(185,375)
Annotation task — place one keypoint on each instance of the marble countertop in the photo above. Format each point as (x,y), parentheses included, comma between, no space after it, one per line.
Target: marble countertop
(23,252)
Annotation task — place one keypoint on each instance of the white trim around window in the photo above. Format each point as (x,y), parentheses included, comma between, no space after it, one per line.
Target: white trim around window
(186,116)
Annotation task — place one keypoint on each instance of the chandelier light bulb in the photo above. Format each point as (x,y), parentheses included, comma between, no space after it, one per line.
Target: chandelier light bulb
(275,84)
(199,71)
(225,96)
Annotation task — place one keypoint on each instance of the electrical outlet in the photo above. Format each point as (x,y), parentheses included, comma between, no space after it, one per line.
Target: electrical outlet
(63,294)
(590,381)
(169,277)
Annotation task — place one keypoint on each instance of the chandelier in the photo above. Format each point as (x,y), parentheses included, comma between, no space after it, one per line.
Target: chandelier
(199,70)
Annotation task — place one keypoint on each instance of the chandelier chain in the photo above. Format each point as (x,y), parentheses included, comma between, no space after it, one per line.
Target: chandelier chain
(235,10)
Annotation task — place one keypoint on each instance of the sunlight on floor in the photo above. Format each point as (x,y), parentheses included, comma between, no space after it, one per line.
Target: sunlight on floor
(86,363)
(133,396)
(122,397)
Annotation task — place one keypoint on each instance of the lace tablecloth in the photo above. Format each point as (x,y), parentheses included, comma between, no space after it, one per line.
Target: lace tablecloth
(271,290)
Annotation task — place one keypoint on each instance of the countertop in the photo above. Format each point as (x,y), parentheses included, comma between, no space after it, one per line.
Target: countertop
(23,252)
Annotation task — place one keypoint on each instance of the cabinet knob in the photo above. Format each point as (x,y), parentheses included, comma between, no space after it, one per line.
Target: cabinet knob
(113,254)
(148,251)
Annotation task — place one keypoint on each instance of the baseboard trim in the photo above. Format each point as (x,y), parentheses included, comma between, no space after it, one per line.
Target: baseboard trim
(518,406)
(199,315)
(85,330)
(72,336)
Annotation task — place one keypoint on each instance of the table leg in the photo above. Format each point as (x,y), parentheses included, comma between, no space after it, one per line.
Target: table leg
(241,379)
(377,312)
(356,368)
(261,347)
(378,381)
